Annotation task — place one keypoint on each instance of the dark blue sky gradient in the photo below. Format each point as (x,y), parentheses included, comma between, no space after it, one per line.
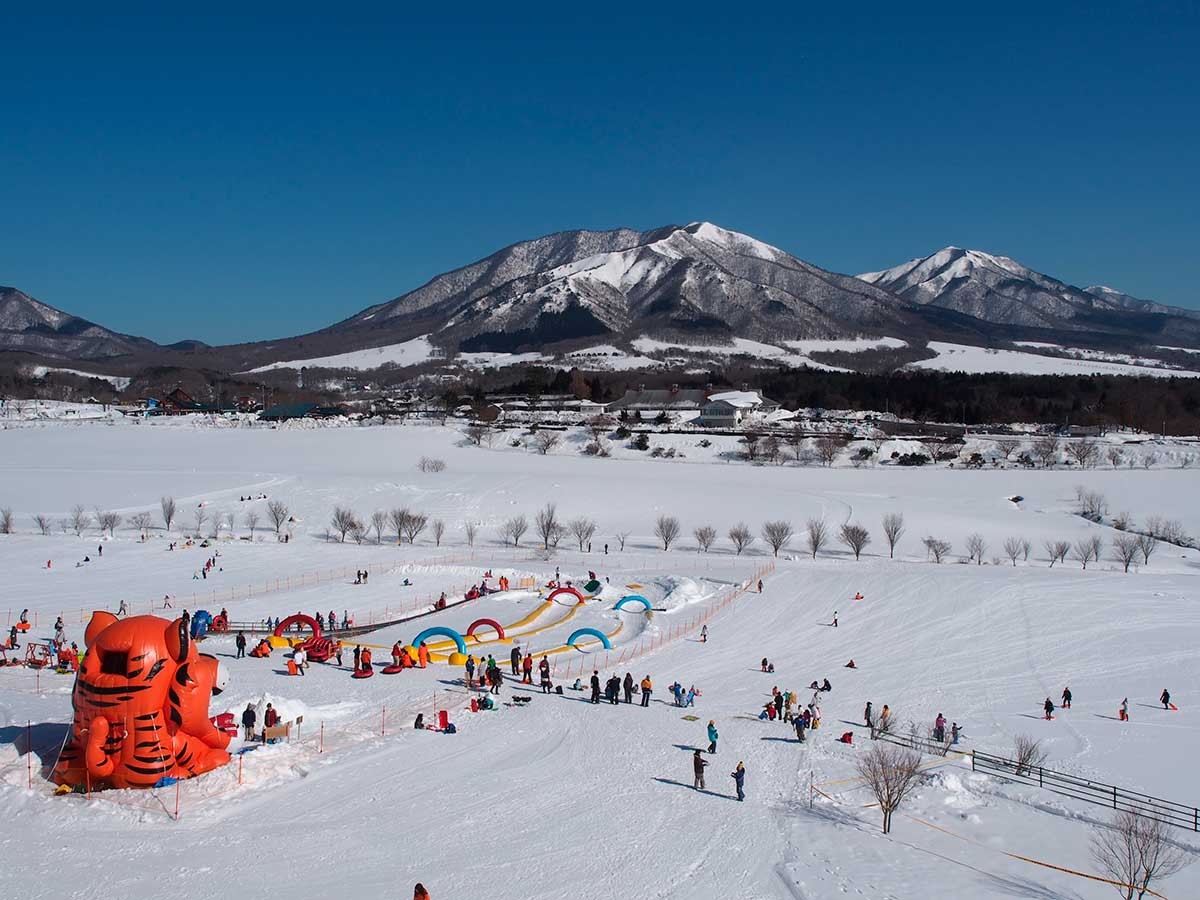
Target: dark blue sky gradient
(255,174)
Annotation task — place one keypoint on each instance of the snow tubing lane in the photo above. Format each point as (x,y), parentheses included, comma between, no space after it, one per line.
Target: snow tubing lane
(589,632)
(301,619)
(565,590)
(633,598)
(441,632)
(491,623)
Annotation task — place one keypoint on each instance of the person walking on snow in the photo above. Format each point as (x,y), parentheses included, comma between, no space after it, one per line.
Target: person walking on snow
(515,659)
(544,671)
(798,722)
(123,610)
(698,764)
(704,634)
(739,779)
(1125,710)
(527,668)
(1048,706)
(647,687)
(240,641)
(712,736)
(1066,698)
(595,682)
(470,670)
(867,714)
(627,684)
(835,618)
(1165,699)
(760,585)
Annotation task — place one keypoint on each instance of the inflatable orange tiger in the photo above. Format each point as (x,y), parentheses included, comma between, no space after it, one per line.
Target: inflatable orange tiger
(141,706)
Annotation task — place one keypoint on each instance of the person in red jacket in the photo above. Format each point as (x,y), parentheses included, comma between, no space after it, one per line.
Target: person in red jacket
(419,892)
(271,716)
(527,667)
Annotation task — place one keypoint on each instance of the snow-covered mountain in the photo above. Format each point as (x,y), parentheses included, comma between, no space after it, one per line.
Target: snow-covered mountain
(34,327)
(1001,291)
(693,280)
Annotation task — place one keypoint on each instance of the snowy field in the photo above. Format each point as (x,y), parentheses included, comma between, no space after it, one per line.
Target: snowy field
(561,798)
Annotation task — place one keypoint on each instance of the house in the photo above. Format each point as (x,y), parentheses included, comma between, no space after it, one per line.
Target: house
(728,409)
(652,402)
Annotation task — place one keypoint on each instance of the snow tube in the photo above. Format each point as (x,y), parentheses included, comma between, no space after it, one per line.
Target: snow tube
(566,590)
(392,670)
(439,631)
(319,649)
(633,598)
(363,673)
(220,623)
(593,586)
(590,632)
(301,619)
(491,623)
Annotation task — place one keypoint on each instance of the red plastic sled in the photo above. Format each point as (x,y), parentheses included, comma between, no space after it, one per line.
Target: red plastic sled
(392,670)
(363,673)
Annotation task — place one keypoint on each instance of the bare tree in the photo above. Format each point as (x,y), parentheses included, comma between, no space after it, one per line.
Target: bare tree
(1026,547)
(343,521)
(415,525)
(705,536)
(855,537)
(428,464)
(976,547)
(1147,543)
(751,443)
(622,537)
(470,529)
(1046,449)
(1084,451)
(1057,551)
(545,441)
(399,519)
(1027,754)
(1087,550)
(79,520)
(439,531)
(379,520)
(740,537)
(6,521)
(43,523)
(478,433)
(583,529)
(1115,455)
(277,512)
(771,451)
(141,521)
(893,530)
(599,426)
(199,517)
(1148,459)
(546,524)
(891,772)
(514,529)
(1092,504)
(167,505)
(828,448)
(777,534)
(219,518)
(1135,851)
(1007,446)
(936,548)
(1125,549)
(818,536)
(107,521)
(1012,549)
(666,528)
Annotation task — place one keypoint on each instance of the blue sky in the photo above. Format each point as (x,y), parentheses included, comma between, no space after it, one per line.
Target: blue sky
(245,175)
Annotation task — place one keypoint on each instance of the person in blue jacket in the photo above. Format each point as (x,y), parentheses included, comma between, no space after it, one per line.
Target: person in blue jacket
(739,778)
(712,736)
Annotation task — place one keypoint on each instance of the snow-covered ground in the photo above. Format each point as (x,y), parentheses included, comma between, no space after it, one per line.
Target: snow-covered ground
(563,798)
(974,360)
(408,353)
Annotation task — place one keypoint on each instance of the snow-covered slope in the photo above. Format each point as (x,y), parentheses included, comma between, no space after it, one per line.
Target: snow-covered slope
(1001,291)
(29,325)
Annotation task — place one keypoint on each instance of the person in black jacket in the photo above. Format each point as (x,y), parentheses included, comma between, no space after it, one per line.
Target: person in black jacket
(249,718)
(614,690)
(241,644)
(515,658)
(595,686)
(698,764)
(628,688)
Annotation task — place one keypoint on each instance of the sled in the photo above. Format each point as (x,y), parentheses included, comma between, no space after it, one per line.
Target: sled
(1173,706)
(363,673)
(392,670)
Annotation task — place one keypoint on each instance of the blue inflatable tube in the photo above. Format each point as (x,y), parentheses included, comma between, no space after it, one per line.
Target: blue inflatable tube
(439,631)
(634,598)
(590,632)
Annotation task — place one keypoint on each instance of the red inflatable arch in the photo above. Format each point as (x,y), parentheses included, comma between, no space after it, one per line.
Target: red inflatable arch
(490,623)
(565,590)
(301,619)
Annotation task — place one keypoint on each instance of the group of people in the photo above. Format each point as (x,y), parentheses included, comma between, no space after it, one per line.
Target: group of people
(616,685)
(683,697)
(209,565)
(360,576)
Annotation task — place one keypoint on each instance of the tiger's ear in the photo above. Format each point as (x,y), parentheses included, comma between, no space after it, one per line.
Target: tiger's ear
(179,644)
(100,620)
